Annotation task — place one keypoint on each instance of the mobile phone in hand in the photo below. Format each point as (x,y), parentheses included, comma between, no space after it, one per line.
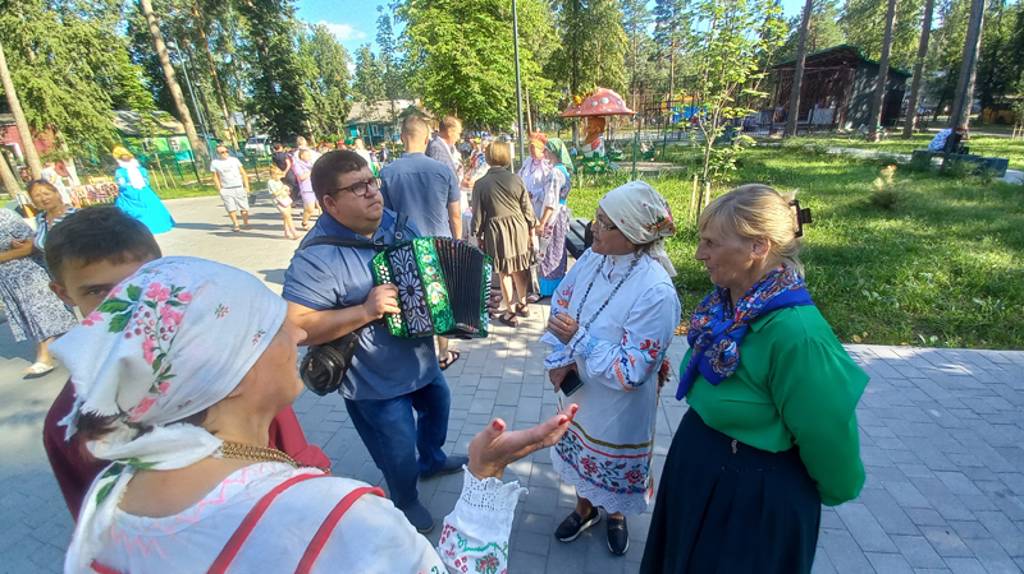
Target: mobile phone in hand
(571,383)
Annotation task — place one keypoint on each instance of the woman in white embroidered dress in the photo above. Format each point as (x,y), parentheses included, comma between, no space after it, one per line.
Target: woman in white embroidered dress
(612,320)
(534,173)
(177,376)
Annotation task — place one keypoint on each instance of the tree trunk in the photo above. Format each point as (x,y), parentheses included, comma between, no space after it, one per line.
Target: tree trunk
(671,75)
(878,102)
(8,178)
(229,126)
(938,107)
(529,115)
(199,150)
(636,57)
(31,154)
(960,115)
(798,72)
(915,86)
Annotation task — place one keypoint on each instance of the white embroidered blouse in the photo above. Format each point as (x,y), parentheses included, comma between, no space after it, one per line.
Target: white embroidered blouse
(373,536)
(618,350)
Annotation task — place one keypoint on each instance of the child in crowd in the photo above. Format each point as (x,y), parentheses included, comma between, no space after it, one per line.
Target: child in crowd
(88,254)
(282,200)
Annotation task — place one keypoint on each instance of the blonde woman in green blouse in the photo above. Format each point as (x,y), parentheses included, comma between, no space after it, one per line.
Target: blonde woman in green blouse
(771,433)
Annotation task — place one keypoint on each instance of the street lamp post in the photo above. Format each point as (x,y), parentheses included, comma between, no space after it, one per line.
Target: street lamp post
(519,86)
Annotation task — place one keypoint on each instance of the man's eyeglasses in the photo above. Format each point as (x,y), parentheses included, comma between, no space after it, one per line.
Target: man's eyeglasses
(361,188)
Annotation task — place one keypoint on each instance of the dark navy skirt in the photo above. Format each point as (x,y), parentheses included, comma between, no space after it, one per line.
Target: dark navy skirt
(726,507)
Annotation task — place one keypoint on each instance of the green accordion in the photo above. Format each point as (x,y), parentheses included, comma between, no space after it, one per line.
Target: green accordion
(443,287)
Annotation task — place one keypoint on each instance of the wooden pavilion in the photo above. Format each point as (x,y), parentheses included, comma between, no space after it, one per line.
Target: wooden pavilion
(836,91)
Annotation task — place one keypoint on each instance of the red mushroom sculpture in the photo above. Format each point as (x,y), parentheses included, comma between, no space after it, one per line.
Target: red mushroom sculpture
(603,102)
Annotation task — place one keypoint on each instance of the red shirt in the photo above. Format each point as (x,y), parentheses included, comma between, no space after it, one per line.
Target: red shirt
(75,468)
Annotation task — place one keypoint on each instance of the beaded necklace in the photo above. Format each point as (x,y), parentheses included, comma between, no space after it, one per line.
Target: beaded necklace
(586,294)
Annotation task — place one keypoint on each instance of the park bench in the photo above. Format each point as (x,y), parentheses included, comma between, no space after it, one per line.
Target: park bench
(997,166)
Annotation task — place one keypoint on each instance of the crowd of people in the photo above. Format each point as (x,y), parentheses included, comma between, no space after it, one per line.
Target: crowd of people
(176,448)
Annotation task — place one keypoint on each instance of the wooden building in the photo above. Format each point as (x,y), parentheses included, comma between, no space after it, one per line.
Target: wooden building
(837,90)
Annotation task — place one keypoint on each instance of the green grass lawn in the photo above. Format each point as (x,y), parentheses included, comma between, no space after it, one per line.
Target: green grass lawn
(944,267)
(183,191)
(989,146)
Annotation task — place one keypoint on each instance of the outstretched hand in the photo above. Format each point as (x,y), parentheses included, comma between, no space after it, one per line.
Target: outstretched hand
(493,448)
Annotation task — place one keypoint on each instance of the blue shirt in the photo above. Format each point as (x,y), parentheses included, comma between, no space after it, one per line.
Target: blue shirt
(326,277)
(421,189)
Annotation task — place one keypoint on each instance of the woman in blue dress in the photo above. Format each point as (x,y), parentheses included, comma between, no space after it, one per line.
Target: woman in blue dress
(135,196)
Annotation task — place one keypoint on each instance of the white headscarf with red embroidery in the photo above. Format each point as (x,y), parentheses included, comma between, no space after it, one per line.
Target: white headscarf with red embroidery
(168,342)
(643,216)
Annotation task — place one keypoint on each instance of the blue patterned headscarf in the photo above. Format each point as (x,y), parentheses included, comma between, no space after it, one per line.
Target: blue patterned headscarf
(717,330)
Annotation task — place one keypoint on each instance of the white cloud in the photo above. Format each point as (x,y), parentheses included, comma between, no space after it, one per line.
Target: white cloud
(343,32)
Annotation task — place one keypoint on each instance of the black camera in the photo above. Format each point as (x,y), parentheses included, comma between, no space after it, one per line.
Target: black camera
(324,366)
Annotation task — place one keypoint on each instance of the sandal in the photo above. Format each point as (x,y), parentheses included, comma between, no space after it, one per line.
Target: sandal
(523,311)
(39,368)
(508,318)
(236,229)
(450,359)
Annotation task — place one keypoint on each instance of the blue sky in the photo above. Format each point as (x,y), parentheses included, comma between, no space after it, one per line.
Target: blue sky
(355,27)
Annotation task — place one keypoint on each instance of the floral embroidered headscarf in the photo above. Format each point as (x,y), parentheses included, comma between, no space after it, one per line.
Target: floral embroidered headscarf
(643,216)
(168,342)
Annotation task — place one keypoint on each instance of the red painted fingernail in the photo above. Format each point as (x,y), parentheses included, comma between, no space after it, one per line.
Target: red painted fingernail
(562,420)
(496,424)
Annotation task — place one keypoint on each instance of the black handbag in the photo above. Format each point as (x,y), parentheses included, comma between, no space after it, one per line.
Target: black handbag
(324,366)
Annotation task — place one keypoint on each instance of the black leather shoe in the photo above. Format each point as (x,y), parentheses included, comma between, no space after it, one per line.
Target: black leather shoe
(618,536)
(574,525)
(451,465)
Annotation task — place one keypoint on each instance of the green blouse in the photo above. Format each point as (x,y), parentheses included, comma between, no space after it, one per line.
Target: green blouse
(795,385)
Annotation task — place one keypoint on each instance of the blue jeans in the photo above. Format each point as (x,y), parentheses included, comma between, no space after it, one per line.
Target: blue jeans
(393,435)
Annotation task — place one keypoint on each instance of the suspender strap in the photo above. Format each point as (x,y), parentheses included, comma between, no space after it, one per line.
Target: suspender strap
(363,243)
(316,545)
(227,555)
(339,242)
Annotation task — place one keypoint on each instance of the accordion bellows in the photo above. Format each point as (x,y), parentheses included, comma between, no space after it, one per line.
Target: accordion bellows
(443,287)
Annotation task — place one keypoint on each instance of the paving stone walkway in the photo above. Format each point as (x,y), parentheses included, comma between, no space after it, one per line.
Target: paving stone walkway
(942,437)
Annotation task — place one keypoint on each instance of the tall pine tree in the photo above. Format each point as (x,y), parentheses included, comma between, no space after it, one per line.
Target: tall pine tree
(636,18)
(324,63)
(671,31)
(592,46)
(390,62)
(368,85)
(276,83)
